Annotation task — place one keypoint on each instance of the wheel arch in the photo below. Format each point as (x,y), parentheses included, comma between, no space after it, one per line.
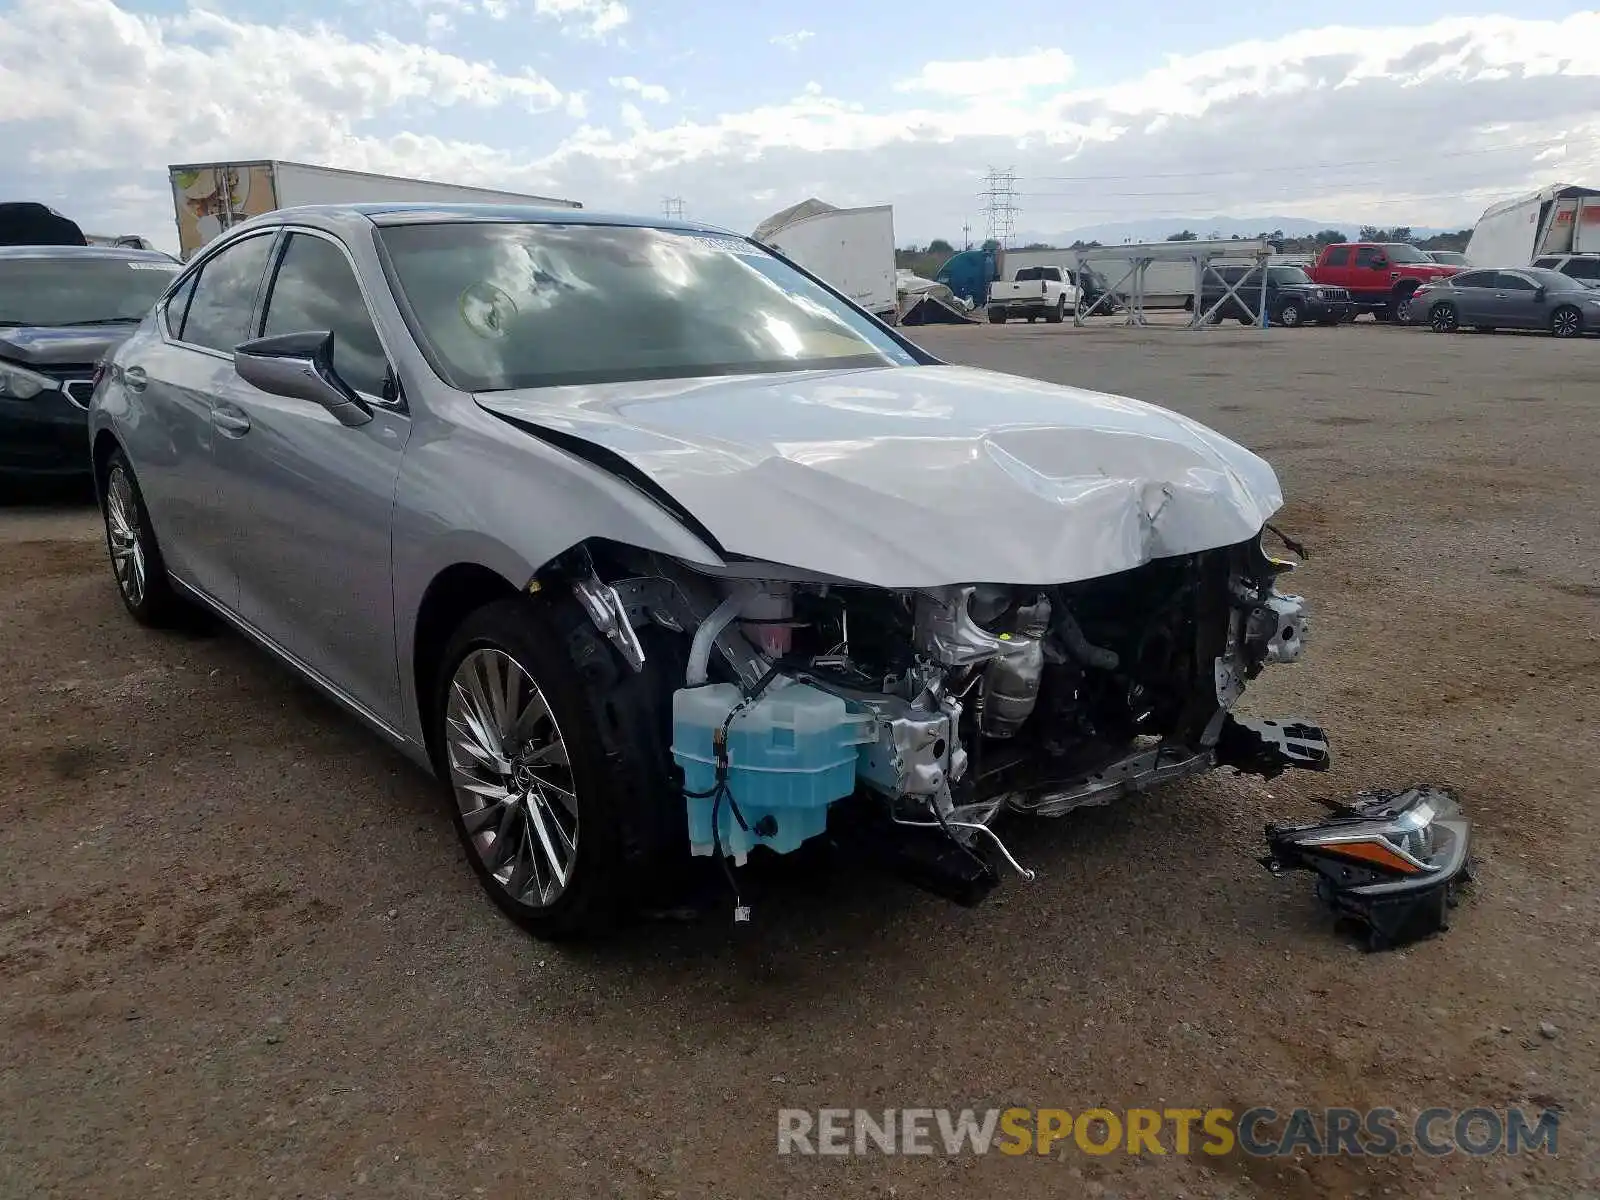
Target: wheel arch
(105,444)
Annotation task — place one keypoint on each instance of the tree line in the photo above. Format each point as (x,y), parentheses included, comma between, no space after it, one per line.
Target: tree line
(926,260)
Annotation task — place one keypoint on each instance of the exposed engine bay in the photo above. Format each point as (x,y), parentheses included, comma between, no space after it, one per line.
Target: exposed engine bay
(936,710)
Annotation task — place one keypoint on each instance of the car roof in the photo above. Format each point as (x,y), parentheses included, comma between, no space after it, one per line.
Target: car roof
(114,253)
(419,213)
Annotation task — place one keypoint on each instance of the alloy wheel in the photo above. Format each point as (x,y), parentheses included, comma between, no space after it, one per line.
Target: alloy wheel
(1402,310)
(1565,322)
(123,534)
(512,777)
(1443,318)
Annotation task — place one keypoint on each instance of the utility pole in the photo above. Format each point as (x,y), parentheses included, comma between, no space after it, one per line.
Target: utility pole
(966,235)
(1000,205)
(672,206)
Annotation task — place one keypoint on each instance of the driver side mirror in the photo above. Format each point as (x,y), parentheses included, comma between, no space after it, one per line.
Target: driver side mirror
(300,366)
(1380,261)
(1539,293)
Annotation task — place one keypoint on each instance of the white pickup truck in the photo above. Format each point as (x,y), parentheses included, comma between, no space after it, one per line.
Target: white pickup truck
(1033,292)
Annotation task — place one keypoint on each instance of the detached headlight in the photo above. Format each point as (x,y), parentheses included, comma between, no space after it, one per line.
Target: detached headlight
(19,383)
(1393,861)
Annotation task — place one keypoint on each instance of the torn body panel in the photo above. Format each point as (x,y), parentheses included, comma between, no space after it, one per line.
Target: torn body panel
(919,477)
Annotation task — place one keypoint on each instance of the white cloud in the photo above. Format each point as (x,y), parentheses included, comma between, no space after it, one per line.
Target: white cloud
(595,17)
(1421,125)
(992,76)
(652,92)
(792,41)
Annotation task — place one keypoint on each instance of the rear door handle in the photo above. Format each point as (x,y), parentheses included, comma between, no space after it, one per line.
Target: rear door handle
(230,421)
(135,379)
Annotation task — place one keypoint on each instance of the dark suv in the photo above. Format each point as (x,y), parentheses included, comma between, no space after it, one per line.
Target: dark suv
(1292,297)
(62,308)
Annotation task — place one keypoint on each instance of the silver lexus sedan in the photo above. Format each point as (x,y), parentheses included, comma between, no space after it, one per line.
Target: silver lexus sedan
(651,545)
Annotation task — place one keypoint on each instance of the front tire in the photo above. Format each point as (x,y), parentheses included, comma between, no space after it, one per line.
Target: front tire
(557,758)
(1443,318)
(1290,314)
(1566,322)
(136,562)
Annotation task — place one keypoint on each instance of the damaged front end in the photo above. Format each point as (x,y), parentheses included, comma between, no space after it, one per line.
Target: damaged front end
(923,715)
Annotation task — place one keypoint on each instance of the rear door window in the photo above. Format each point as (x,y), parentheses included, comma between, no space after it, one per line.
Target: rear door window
(225,295)
(1473,279)
(1513,283)
(1339,256)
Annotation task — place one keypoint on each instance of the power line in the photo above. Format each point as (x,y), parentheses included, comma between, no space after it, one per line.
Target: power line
(1000,209)
(1354,162)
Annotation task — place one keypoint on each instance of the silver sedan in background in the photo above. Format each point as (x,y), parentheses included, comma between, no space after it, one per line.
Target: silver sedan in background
(1524,298)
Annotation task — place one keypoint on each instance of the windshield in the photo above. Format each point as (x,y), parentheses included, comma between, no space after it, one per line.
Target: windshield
(78,291)
(1288,275)
(1449,258)
(1553,281)
(497,306)
(1400,252)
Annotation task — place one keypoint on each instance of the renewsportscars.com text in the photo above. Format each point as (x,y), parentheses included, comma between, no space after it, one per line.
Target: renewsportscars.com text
(1259,1132)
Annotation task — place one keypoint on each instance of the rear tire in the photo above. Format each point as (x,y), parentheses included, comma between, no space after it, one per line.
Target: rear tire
(610,811)
(1400,306)
(1443,318)
(1057,314)
(136,563)
(997,316)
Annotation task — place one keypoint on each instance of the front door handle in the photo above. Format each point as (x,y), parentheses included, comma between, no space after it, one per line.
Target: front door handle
(230,422)
(135,379)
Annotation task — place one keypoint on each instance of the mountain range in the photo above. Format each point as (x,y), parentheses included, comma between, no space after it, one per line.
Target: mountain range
(1158,229)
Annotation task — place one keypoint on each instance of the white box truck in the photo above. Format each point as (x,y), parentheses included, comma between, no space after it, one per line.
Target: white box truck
(1561,219)
(211,197)
(851,249)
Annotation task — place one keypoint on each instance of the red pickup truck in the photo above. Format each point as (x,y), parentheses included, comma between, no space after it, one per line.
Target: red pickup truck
(1380,276)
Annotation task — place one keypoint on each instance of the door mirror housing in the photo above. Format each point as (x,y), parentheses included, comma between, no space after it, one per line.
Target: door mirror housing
(1539,293)
(1381,260)
(300,366)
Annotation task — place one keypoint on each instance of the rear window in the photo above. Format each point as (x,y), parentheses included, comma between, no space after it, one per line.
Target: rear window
(80,291)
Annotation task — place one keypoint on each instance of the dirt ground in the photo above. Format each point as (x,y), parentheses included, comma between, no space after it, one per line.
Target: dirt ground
(240,953)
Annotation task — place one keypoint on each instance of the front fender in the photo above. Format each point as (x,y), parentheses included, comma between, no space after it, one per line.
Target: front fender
(483,493)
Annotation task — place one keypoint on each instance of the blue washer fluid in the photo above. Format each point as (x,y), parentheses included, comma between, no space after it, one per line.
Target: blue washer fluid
(790,755)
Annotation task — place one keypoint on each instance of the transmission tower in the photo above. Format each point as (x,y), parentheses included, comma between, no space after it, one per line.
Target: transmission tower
(673,207)
(966,235)
(1000,204)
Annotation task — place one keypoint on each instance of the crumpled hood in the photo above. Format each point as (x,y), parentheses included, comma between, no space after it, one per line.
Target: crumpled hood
(913,477)
(68,346)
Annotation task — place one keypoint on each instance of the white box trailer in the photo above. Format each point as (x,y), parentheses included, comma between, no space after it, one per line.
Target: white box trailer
(211,197)
(851,249)
(1561,219)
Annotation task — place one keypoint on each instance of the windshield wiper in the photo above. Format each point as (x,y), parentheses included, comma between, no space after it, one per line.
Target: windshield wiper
(107,321)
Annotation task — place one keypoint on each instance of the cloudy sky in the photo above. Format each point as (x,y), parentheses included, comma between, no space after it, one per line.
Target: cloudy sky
(1156,110)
